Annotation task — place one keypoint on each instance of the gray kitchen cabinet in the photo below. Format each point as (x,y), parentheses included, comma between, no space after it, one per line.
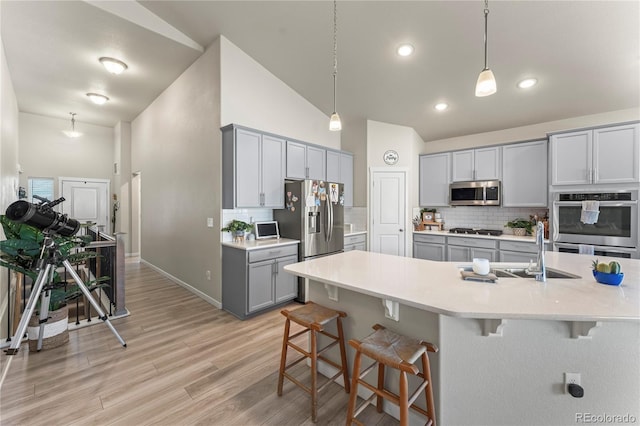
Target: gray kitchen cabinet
(254,280)
(355,242)
(305,161)
(608,155)
(253,169)
(434,179)
(524,174)
(340,169)
(465,249)
(429,247)
(476,164)
(516,251)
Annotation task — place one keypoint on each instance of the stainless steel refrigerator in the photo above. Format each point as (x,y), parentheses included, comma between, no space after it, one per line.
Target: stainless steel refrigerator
(314,214)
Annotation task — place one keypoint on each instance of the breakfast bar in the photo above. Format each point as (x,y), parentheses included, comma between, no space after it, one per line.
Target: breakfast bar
(505,346)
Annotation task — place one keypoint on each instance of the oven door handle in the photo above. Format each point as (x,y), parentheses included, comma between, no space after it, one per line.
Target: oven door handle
(609,249)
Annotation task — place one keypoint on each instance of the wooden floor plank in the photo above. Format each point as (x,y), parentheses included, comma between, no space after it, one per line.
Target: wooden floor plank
(186,363)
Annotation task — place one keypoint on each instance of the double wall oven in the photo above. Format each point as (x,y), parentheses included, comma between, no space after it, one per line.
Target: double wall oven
(614,234)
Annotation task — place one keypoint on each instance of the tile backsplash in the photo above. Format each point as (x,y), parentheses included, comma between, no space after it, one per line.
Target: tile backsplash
(483,217)
(245,215)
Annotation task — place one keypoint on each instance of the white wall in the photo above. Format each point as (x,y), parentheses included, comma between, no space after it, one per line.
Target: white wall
(534,131)
(382,137)
(251,96)
(47,152)
(176,147)
(8,166)
(121,184)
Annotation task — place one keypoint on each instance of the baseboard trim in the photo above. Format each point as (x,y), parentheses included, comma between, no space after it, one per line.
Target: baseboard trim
(184,285)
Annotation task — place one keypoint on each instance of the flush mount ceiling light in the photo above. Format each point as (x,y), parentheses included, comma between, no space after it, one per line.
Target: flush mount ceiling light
(72,133)
(114,66)
(97,98)
(486,84)
(441,106)
(335,125)
(405,50)
(527,83)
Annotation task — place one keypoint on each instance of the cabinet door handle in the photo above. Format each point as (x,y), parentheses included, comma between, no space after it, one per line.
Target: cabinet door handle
(306,172)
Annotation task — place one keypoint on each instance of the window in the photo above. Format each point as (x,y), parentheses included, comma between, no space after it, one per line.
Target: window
(42,187)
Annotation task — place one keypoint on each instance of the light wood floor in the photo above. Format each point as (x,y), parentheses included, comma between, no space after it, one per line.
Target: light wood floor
(186,363)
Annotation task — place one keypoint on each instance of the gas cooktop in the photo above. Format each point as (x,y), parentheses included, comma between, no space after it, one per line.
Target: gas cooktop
(493,232)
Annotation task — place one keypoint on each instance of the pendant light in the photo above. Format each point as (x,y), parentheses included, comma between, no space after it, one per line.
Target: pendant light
(486,84)
(335,125)
(72,133)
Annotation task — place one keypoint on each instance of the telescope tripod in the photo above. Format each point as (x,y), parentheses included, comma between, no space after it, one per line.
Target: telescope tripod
(49,257)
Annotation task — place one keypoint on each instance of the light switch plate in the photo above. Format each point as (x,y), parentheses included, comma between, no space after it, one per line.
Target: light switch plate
(210,222)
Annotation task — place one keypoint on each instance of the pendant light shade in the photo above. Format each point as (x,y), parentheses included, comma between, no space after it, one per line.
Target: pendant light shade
(486,84)
(72,133)
(335,125)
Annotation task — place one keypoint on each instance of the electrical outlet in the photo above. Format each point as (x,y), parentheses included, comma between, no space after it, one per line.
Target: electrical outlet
(208,275)
(570,378)
(210,222)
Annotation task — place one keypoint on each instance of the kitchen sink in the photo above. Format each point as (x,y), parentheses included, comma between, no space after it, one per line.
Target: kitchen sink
(522,273)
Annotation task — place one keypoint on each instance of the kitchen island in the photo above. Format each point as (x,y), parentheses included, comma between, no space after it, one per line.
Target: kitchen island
(504,346)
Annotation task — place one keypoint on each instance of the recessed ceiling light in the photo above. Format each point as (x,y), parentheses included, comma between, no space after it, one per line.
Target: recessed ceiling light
(441,106)
(98,99)
(405,50)
(527,82)
(114,66)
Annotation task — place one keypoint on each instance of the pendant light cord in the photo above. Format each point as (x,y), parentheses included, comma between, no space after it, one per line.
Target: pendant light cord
(335,51)
(486,15)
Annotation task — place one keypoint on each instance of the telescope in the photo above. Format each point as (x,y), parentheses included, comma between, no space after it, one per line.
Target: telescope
(43,217)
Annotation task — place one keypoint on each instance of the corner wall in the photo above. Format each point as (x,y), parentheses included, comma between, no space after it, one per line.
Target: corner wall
(8,166)
(176,148)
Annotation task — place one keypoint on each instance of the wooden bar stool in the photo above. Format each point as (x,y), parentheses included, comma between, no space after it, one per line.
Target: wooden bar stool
(313,318)
(387,348)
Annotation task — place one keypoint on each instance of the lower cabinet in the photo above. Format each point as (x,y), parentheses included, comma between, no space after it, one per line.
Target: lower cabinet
(255,280)
(429,247)
(355,242)
(464,249)
(513,251)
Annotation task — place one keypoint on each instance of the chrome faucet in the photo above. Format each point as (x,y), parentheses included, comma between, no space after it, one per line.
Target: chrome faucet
(540,270)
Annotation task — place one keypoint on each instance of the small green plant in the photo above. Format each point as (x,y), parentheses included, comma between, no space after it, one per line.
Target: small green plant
(237,225)
(521,223)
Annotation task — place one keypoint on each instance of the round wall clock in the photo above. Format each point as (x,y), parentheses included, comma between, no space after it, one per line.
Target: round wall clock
(390,157)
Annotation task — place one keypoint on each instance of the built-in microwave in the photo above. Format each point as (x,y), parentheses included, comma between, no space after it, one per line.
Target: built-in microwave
(616,225)
(475,193)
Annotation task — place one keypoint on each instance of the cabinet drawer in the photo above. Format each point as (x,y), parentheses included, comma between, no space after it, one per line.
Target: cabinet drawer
(272,253)
(355,239)
(517,246)
(472,242)
(422,238)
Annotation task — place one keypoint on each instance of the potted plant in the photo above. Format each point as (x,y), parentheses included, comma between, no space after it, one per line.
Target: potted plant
(20,251)
(521,227)
(237,229)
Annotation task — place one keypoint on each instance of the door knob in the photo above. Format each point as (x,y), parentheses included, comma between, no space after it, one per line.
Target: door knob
(400,230)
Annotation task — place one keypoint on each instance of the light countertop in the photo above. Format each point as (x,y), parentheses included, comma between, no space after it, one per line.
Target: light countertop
(503,237)
(438,287)
(352,233)
(260,244)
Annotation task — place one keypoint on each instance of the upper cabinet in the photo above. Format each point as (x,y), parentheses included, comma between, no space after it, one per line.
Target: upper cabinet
(253,168)
(434,179)
(340,169)
(524,174)
(305,161)
(608,155)
(476,164)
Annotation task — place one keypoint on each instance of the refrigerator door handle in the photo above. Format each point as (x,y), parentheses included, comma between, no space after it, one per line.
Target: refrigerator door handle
(330,208)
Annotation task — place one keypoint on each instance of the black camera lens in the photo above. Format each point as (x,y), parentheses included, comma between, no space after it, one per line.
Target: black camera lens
(42,218)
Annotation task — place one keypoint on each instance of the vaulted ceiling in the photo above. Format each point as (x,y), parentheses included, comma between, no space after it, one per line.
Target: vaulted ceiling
(585,55)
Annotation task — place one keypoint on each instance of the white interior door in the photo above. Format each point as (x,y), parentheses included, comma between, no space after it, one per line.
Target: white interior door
(388,216)
(86,200)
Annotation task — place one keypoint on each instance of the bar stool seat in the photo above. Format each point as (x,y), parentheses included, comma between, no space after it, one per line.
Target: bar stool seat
(313,318)
(387,348)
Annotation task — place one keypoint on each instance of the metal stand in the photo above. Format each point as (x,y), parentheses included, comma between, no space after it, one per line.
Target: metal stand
(49,257)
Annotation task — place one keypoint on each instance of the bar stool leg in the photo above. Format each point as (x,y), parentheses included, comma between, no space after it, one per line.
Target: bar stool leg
(404,397)
(314,376)
(379,398)
(428,392)
(283,357)
(353,398)
(343,356)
